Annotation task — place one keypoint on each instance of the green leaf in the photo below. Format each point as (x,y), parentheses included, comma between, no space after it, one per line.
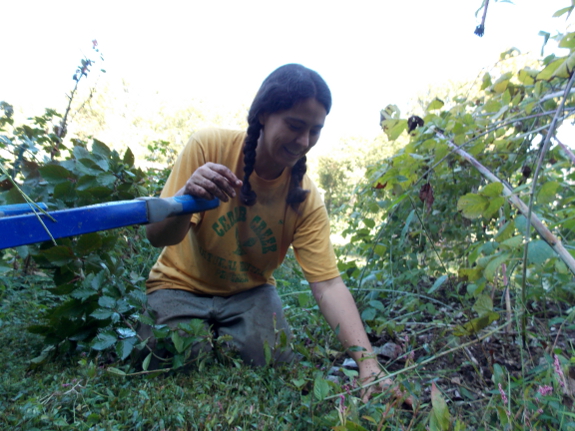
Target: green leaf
(435,104)
(548,192)
(505,231)
(494,265)
(83,294)
(101,314)
(377,305)
(394,128)
(87,166)
(88,243)
(100,192)
(86,182)
(101,149)
(492,106)
(513,243)
(146,320)
(98,280)
(320,388)
(113,370)
(129,158)
(568,41)
(492,190)
(499,376)
(55,174)
(107,302)
(486,81)
(525,77)
(548,73)
(106,179)
(298,383)
(539,251)
(178,341)
(472,205)
(440,418)
(438,283)
(566,68)
(369,223)
(565,10)
(267,353)
(493,207)
(104,340)
(146,362)
(368,314)
(391,112)
(380,250)
(475,325)
(560,267)
(501,84)
(406,227)
(59,255)
(483,306)
(65,191)
(471,274)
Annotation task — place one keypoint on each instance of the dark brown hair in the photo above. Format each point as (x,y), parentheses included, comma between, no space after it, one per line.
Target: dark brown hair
(281,90)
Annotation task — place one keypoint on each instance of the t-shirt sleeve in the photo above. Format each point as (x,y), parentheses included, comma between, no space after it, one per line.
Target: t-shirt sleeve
(313,249)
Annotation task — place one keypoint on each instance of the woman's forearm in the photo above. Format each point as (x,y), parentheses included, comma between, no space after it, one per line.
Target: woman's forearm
(170,231)
(339,309)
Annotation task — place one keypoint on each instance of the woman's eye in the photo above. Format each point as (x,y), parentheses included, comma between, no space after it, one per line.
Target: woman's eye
(294,128)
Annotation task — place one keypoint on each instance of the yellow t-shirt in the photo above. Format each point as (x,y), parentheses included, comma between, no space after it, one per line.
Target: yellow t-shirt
(234,247)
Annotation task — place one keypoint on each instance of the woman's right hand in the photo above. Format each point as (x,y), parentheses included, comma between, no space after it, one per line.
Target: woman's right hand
(212,180)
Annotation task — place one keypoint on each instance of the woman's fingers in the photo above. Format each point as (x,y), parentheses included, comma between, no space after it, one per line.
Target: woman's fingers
(213,180)
(384,386)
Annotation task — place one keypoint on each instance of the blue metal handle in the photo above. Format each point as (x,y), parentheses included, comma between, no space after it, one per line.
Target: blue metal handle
(25,228)
(17,209)
(193,205)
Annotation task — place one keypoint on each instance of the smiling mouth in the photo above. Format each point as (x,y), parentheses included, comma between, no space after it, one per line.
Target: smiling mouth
(297,154)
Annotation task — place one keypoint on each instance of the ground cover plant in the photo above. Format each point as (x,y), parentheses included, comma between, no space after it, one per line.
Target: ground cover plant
(459,251)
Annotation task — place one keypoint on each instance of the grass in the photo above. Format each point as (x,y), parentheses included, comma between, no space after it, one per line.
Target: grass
(78,392)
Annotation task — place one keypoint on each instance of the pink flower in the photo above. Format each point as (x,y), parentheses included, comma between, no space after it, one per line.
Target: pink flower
(559,371)
(95,43)
(503,396)
(545,390)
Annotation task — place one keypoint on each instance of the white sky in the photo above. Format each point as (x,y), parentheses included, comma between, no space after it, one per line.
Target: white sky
(371,53)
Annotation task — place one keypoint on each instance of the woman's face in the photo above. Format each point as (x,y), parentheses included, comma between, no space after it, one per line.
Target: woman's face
(287,136)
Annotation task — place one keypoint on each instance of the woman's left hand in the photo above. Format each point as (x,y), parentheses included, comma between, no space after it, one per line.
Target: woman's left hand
(368,374)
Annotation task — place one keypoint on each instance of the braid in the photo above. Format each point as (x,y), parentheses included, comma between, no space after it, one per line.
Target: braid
(247,195)
(296,194)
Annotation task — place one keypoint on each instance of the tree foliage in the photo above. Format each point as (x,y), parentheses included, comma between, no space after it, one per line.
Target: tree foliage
(431,211)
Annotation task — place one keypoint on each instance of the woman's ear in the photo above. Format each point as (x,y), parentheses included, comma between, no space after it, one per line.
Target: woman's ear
(262,118)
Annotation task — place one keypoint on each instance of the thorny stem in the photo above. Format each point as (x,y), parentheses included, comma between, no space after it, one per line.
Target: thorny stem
(476,137)
(554,242)
(544,149)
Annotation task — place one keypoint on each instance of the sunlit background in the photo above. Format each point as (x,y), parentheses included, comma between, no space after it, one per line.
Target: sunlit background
(172,53)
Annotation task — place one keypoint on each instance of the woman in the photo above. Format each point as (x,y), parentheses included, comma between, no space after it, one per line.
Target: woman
(217,266)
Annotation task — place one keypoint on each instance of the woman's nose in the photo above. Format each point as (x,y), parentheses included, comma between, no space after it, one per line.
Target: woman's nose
(304,140)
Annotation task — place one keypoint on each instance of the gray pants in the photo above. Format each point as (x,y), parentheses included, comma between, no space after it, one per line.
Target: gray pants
(251,318)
